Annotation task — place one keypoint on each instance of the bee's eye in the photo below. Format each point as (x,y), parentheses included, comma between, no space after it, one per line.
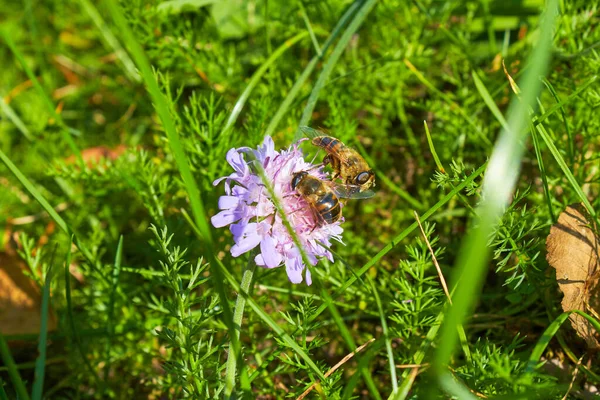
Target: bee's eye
(297,178)
(363,178)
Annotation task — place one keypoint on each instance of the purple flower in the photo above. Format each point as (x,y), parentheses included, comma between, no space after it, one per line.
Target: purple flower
(252,218)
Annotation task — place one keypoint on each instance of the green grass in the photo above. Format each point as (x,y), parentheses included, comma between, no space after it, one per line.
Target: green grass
(151,303)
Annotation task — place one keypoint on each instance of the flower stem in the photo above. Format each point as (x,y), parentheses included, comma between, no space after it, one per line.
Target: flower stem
(238,315)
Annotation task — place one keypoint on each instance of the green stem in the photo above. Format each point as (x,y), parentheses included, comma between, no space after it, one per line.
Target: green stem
(238,315)
(13,373)
(239,104)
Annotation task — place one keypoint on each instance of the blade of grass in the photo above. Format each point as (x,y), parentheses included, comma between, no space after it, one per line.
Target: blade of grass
(110,327)
(571,144)
(347,337)
(45,205)
(405,123)
(13,372)
(499,183)
(357,21)
(539,119)
(432,149)
(386,335)
(241,101)
(542,168)
(162,109)
(487,98)
(336,366)
(3,395)
(362,363)
(456,388)
(273,325)
(111,40)
(34,192)
(490,26)
(14,118)
(71,320)
(461,330)
(47,101)
(489,102)
(460,42)
(448,100)
(549,333)
(34,34)
(238,315)
(563,165)
(309,28)
(293,93)
(419,356)
(40,362)
(565,169)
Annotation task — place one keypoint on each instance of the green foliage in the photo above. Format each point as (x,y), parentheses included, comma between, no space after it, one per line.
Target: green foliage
(146,319)
(192,361)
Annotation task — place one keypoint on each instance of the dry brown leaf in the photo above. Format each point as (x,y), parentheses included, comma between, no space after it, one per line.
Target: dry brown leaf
(20,299)
(573,251)
(93,155)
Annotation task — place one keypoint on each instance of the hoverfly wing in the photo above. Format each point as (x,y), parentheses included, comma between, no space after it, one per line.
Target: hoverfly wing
(311,132)
(351,191)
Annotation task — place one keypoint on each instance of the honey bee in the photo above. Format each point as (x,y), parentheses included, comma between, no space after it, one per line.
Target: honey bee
(324,196)
(347,164)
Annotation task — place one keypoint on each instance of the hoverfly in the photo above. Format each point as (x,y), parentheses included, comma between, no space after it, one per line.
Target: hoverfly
(323,196)
(347,163)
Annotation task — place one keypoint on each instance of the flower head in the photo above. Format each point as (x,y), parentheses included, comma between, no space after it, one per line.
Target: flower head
(252,217)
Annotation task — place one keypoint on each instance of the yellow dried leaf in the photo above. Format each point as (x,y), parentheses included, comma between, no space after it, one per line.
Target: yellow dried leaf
(573,251)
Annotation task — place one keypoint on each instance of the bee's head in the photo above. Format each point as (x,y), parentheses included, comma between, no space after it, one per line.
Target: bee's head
(297,177)
(365,179)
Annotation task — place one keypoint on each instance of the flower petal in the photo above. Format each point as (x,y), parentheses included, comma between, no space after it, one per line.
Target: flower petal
(246,238)
(267,150)
(270,255)
(293,268)
(259,260)
(224,218)
(308,277)
(227,202)
(217,181)
(236,160)
(243,228)
(245,245)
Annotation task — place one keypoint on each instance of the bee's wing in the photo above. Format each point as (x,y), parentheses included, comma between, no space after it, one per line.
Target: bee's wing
(310,132)
(350,191)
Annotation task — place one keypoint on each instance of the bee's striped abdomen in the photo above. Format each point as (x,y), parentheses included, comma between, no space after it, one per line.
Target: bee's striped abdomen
(329,208)
(330,144)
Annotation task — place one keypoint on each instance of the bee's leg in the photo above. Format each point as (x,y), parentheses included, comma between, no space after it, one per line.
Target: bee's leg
(318,223)
(318,220)
(295,211)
